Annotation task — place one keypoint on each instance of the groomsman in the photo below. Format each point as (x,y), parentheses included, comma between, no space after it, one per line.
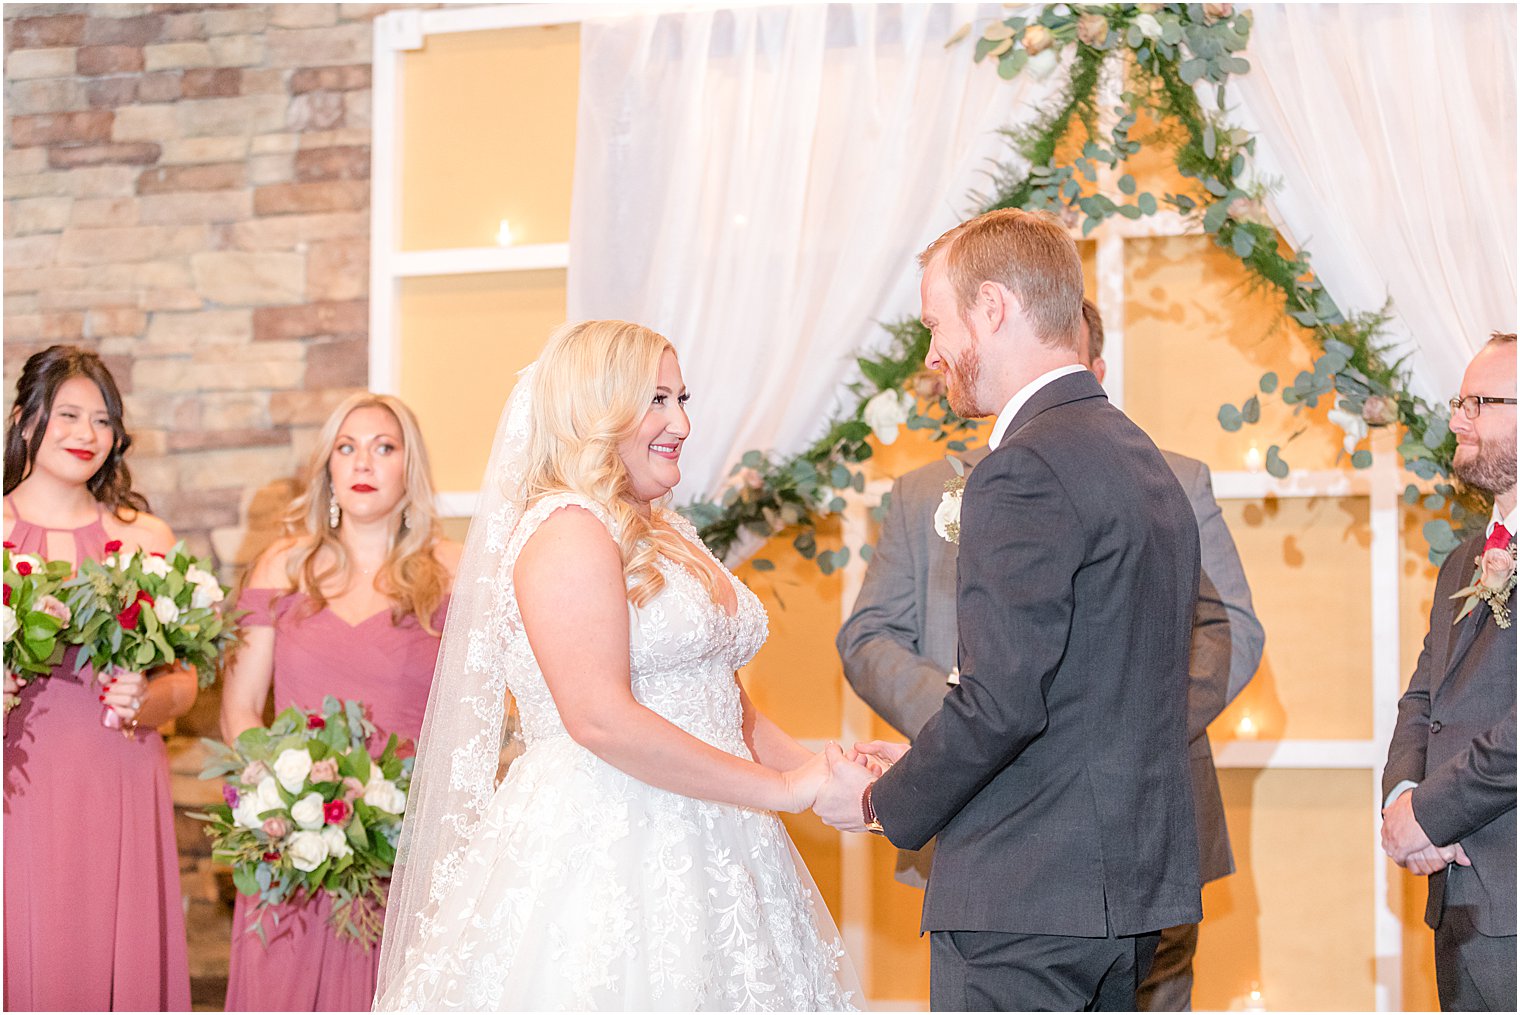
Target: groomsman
(1055,773)
(899,648)
(1449,810)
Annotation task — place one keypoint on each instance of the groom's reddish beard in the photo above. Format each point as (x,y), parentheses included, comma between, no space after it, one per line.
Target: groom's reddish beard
(961,377)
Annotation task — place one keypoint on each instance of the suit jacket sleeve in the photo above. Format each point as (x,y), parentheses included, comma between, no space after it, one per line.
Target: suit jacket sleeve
(1406,751)
(878,644)
(1016,605)
(1472,788)
(1208,660)
(1224,573)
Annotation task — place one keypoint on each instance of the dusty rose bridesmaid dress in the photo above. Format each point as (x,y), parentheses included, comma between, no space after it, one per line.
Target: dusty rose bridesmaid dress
(93,915)
(387,667)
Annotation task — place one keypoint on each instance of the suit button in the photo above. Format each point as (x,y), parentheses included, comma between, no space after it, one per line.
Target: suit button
(1435,726)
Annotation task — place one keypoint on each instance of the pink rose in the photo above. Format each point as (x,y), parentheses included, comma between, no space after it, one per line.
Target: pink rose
(1092,29)
(1037,39)
(1380,410)
(55,609)
(337,812)
(1497,567)
(254,774)
(929,385)
(353,789)
(276,828)
(325,770)
(1214,12)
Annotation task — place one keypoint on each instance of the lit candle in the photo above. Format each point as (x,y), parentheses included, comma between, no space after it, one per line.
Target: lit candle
(1246,728)
(1254,1000)
(504,234)
(1253,459)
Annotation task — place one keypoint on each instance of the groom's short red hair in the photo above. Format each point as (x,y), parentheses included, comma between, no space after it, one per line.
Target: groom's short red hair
(1030,255)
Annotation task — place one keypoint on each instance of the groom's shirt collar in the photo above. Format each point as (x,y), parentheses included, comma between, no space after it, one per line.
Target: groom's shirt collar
(1510,520)
(1005,418)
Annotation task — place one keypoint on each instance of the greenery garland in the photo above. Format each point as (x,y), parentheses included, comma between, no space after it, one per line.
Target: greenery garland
(1165,50)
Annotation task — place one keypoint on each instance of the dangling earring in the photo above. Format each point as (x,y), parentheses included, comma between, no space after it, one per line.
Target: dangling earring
(334,513)
(406,517)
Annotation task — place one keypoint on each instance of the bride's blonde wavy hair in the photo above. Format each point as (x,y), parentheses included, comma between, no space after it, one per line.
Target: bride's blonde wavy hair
(593,386)
(411,577)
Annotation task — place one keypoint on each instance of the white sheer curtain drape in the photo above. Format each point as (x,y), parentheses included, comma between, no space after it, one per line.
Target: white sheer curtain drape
(754,183)
(1391,131)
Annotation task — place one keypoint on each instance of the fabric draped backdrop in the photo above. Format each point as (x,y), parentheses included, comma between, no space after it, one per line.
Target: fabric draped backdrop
(755,183)
(1391,131)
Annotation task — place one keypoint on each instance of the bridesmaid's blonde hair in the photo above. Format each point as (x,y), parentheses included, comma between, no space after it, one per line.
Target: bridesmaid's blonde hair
(593,386)
(411,577)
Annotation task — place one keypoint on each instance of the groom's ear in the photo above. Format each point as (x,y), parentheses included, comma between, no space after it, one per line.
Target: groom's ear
(994,304)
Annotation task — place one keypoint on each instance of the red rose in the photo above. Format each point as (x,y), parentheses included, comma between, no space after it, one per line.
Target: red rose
(335,813)
(9,545)
(23,568)
(128,618)
(315,722)
(7,595)
(114,546)
(272,856)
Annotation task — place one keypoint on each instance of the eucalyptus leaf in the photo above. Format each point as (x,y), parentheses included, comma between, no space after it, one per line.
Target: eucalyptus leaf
(1268,383)
(1361,459)
(1276,467)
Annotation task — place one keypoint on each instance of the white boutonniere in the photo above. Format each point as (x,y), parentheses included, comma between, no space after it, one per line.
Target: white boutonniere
(1492,583)
(947,517)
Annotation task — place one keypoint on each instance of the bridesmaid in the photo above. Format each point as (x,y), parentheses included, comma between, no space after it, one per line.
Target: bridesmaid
(93,915)
(351,605)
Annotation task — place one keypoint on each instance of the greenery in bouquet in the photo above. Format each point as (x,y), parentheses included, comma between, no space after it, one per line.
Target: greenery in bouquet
(33,616)
(309,809)
(149,609)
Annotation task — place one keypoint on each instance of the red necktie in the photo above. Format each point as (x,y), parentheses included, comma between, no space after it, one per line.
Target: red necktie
(1500,538)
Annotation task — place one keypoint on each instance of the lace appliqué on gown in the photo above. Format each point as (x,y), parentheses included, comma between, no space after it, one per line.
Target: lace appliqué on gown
(584,888)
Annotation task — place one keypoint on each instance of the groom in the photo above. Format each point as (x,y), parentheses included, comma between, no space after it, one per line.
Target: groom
(1056,773)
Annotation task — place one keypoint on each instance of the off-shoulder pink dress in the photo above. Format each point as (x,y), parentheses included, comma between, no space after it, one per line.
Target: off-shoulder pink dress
(388,667)
(93,915)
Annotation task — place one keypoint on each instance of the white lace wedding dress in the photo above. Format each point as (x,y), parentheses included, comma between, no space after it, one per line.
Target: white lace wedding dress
(584,888)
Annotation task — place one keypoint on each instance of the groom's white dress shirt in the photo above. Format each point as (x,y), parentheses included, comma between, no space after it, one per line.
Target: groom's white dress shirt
(1024,394)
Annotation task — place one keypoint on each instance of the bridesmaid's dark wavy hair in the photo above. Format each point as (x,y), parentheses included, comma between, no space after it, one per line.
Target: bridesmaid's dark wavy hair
(36,388)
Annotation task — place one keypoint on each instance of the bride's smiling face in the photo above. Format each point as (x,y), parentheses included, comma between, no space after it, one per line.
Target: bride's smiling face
(653,454)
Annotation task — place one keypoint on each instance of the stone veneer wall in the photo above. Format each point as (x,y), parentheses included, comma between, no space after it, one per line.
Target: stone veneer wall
(187,192)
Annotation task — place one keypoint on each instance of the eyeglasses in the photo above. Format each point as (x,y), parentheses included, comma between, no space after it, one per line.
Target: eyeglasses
(1471,405)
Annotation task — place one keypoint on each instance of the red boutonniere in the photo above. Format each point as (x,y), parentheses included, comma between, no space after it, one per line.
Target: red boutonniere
(1492,583)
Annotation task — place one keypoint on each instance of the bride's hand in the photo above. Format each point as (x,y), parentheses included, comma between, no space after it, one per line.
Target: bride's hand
(801,784)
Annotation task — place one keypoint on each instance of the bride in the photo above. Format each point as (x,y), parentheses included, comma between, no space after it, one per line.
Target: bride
(631,857)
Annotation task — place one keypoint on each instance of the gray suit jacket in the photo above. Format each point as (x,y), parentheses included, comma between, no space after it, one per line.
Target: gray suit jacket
(1456,738)
(900,641)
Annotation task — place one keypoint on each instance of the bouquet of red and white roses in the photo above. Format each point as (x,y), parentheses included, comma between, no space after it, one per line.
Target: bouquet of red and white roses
(32,617)
(149,609)
(308,809)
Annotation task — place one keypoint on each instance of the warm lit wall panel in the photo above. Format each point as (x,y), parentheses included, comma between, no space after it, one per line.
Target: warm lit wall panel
(488,134)
(463,339)
(1296,917)
(1309,565)
(1196,336)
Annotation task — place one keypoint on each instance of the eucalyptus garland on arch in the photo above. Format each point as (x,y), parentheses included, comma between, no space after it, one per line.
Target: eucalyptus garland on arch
(1166,49)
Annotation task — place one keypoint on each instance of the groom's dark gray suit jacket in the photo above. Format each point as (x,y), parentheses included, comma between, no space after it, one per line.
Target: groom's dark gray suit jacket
(1056,774)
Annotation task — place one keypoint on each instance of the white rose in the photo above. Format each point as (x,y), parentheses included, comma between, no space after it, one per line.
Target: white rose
(1149,26)
(1351,422)
(383,795)
(158,567)
(307,811)
(250,805)
(947,514)
(337,842)
(195,576)
(206,594)
(292,767)
(886,412)
(1042,64)
(8,623)
(165,610)
(306,850)
(17,558)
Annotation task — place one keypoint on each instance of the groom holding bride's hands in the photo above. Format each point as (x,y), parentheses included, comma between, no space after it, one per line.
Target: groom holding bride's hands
(1056,773)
